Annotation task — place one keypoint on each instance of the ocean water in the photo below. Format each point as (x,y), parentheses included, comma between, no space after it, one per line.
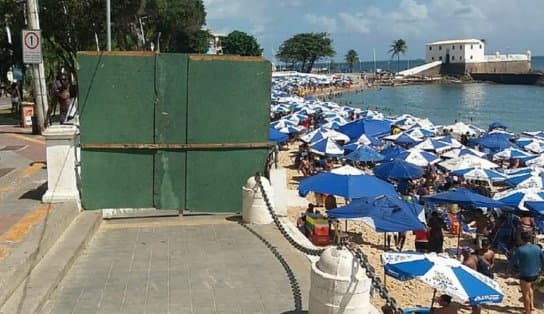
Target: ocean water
(521,107)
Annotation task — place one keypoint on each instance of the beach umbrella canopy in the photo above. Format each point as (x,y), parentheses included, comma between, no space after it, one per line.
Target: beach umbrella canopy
(460,128)
(511,153)
(276,136)
(537,134)
(536,161)
(351,146)
(457,152)
(383,214)
(347,170)
(419,132)
(349,186)
(368,140)
(464,197)
(398,169)
(527,181)
(369,127)
(495,141)
(403,138)
(282,123)
(480,174)
(418,157)
(444,274)
(365,153)
(290,130)
(531,144)
(392,151)
(537,207)
(433,145)
(516,198)
(467,161)
(322,133)
(327,147)
(450,140)
(497,125)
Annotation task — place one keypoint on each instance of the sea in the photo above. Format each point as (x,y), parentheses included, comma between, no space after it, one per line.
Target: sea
(520,107)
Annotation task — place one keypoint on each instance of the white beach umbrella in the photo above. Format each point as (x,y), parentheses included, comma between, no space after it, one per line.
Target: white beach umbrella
(467,161)
(537,161)
(418,157)
(457,152)
(461,128)
(511,153)
(347,170)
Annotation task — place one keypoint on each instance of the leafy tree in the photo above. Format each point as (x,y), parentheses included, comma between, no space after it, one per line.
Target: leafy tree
(305,48)
(10,54)
(240,43)
(351,59)
(397,48)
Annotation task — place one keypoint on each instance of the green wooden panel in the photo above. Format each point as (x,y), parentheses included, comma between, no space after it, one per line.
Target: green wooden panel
(215,178)
(116,179)
(228,102)
(117,106)
(171,128)
(117,98)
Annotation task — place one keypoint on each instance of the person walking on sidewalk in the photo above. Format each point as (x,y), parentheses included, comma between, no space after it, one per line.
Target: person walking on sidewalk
(529,259)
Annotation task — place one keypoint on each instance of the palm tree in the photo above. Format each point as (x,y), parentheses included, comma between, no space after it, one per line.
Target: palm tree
(351,58)
(398,47)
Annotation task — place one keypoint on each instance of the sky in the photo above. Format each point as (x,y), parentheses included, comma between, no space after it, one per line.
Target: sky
(367,25)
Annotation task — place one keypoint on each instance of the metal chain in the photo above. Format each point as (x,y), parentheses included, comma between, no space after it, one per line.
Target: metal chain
(303,249)
(352,247)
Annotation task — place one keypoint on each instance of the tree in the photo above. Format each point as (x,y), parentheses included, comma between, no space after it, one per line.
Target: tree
(305,48)
(351,59)
(398,47)
(240,43)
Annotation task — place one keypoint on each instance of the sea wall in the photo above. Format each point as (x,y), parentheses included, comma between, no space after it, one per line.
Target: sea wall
(521,66)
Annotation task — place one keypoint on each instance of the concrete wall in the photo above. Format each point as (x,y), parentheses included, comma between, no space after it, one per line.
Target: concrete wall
(485,67)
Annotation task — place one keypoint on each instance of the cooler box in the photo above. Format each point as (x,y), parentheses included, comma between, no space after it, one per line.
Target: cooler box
(317,228)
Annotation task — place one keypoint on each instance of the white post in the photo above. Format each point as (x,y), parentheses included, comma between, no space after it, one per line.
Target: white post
(61,164)
(108,23)
(38,72)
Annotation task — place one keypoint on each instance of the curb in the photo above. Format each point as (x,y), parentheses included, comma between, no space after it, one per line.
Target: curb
(35,288)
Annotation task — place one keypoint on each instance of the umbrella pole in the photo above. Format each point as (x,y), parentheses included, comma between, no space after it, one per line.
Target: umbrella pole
(458,241)
(434,296)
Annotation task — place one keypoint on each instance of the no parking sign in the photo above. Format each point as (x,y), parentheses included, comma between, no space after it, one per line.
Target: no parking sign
(32,46)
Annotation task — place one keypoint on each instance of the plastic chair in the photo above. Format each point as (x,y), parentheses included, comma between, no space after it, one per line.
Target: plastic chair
(453,224)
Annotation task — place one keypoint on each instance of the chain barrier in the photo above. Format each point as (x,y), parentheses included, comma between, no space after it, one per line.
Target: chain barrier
(354,249)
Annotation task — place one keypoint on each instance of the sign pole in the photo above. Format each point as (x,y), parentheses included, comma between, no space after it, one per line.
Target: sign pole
(40,88)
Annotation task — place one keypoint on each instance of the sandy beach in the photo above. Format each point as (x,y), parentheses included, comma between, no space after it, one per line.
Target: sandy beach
(410,293)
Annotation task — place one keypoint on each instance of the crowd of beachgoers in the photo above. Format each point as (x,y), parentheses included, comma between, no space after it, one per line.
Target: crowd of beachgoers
(422,161)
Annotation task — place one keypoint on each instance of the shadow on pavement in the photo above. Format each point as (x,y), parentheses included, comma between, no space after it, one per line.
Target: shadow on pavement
(35,194)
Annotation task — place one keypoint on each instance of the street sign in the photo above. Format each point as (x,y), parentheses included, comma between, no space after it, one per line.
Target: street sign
(32,46)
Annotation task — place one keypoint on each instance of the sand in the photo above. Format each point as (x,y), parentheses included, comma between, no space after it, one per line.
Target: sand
(410,293)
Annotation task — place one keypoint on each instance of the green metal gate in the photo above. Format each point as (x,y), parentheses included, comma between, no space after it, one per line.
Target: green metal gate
(171,131)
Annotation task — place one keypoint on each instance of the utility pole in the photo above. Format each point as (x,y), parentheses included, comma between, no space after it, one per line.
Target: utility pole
(38,72)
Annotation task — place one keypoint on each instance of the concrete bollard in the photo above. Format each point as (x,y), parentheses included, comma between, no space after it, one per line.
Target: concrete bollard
(339,285)
(61,164)
(254,209)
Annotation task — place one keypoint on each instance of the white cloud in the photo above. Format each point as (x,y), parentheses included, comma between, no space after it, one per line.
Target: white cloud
(354,23)
(324,23)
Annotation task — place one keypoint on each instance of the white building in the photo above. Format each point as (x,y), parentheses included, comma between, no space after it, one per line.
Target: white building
(455,51)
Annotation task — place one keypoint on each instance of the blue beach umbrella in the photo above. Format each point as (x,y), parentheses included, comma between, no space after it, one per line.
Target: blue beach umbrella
(398,169)
(526,181)
(497,125)
(511,153)
(276,136)
(517,198)
(369,127)
(383,214)
(458,152)
(464,197)
(534,206)
(480,174)
(433,145)
(289,130)
(327,147)
(351,146)
(349,186)
(418,157)
(365,153)
(444,274)
(392,151)
(496,141)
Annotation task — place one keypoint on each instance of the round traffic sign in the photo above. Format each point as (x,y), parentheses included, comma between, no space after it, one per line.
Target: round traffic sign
(32,40)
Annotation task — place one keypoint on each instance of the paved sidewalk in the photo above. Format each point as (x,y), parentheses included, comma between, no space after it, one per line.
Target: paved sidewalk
(200,264)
